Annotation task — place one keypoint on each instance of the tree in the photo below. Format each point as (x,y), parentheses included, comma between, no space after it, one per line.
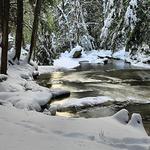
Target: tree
(47,41)
(19,29)
(35,27)
(79,22)
(5,18)
(1,16)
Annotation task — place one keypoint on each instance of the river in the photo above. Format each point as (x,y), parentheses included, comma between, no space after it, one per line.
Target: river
(128,86)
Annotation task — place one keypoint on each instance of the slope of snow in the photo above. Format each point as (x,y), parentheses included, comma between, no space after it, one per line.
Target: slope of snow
(26,130)
(21,91)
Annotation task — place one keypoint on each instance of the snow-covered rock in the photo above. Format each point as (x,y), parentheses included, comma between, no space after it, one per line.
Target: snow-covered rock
(82,102)
(76,52)
(53,110)
(58,93)
(122,116)
(136,122)
(27,100)
(3,77)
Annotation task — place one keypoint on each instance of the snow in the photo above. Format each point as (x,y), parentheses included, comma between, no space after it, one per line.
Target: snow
(10,38)
(20,129)
(66,61)
(138,60)
(130,15)
(133,3)
(140,64)
(3,77)
(120,54)
(107,24)
(18,88)
(82,102)
(122,116)
(29,100)
(78,48)
(46,69)
(21,91)
(136,122)
(99,56)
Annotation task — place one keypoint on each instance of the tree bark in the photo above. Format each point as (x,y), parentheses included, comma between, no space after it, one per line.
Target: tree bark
(5,14)
(1,15)
(35,28)
(19,30)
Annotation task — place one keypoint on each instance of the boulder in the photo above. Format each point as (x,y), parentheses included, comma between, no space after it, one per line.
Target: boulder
(60,94)
(77,54)
(3,77)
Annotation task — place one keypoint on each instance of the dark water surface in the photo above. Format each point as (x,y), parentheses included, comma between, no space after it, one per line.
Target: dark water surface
(128,86)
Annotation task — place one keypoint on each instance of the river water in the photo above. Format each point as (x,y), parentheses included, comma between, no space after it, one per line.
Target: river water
(128,86)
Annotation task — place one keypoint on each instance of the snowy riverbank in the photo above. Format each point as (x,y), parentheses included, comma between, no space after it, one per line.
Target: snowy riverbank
(19,89)
(100,57)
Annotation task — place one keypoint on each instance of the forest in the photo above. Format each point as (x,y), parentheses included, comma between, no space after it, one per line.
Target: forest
(52,26)
(75,74)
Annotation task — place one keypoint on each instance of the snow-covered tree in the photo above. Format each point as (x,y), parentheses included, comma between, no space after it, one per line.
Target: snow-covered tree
(73,27)
(125,24)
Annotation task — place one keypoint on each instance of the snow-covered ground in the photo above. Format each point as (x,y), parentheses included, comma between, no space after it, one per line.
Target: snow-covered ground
(21,91)
(28,130)
(66,60)
(99,56)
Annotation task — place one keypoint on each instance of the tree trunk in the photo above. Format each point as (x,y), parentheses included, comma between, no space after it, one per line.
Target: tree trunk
(5,13)
(19,29)
(35,28)
(1,15)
